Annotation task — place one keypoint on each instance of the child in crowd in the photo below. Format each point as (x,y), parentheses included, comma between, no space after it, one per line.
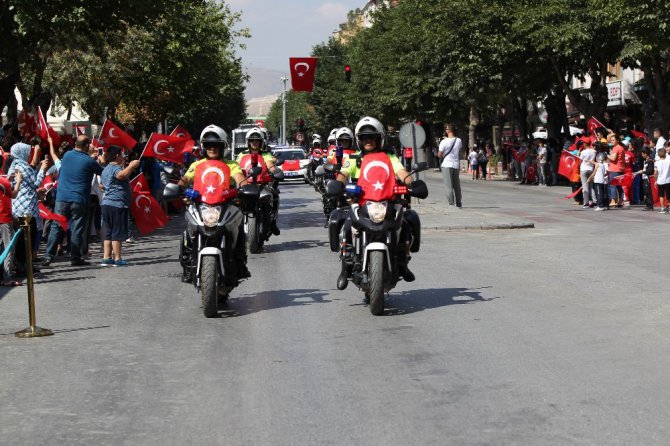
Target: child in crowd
(662,168)
(600,181)
(473,157)
(115,203)
(647,171)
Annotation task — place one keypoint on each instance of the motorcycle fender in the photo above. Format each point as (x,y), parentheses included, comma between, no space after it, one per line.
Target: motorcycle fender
(376,246)
(210,251)
(265,194)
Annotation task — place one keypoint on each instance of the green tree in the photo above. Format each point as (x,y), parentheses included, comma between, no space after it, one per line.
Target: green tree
(297,106)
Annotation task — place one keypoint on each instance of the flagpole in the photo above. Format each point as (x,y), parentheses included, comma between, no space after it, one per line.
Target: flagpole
(146,144)
(284,79)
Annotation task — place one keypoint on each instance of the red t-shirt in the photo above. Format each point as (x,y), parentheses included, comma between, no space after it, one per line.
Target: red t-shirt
(629,157)
(619,165)
(5,200)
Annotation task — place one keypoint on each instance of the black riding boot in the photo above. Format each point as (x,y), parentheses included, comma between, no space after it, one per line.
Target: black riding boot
(403,269)
(241,257)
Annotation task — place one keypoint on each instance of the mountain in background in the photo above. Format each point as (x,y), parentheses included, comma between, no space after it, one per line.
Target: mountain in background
(262,90)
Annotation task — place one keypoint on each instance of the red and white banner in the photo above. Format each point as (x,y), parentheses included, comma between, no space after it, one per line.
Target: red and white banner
(168,148)
(568,166)
(113,135)
(302,73)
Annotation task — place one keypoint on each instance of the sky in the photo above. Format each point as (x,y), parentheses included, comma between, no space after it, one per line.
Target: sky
(287,28)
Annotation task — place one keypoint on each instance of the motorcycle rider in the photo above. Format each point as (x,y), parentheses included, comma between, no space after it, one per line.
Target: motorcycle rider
(371,138)
(255,144)
(214,142)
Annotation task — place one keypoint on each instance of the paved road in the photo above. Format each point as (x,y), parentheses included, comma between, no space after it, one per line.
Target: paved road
(553,335)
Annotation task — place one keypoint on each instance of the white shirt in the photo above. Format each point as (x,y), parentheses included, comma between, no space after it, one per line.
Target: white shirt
(453,159)
(587,155)
(601,174)
(660,142)
(542,155)
(663,169)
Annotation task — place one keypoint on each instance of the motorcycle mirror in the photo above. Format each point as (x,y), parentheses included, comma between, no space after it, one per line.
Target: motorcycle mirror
(171,191)
(279,162)
(319,171)
(418,189)
(278,174)
(329,167)
(255,171)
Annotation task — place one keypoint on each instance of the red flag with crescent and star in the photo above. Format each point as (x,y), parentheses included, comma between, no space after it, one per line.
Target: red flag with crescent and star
(302,73)
(212,181)
(26,123)
(181,132)
(44,129)
(46,214)
(625,180)
(147,213)
(168,148)
(113,135)
(568,166)
(246,164)
(593,124)
(377,177)
(139,184)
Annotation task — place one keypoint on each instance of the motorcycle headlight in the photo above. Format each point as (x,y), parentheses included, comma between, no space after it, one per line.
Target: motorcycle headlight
(376,210)
(210,215)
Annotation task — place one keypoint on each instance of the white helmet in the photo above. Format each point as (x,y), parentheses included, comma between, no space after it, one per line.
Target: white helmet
(213,133)
(370,126)
(345,133)
(255,133)
(315,137)
(332,136)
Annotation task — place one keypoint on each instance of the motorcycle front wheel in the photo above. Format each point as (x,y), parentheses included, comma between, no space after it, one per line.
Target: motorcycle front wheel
(254,236)
(209,283)
(376,282)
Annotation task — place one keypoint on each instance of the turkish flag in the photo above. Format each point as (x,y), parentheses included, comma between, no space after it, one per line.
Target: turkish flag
(140,184)
(168,148)
(302,73)
(48,183)
(247,162)
(625,180)
(26,123)
(42,126)
(181,132)
(212,181)
(46,214)
(147,213)
(568,166)
(574,194)
(641,135)
(377,177)
(113,135)
(593,124)
(531,173)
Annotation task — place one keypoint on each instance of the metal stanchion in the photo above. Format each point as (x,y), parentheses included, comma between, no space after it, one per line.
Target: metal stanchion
(33,331)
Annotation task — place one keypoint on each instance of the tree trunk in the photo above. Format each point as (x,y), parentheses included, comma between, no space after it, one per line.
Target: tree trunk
(472,127)
(557,113)
(660,91)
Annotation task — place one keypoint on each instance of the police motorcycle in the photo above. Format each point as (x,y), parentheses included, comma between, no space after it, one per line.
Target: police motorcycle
(260,216)
(212,252)
(380,230)
(315,160)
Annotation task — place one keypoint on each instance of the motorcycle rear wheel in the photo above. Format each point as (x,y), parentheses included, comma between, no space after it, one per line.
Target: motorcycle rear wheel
(209,284)
(376,282)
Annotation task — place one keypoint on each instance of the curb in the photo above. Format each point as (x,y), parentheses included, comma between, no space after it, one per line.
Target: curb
(480,227)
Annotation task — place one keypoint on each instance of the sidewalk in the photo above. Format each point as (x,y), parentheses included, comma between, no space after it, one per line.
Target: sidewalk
(436,214)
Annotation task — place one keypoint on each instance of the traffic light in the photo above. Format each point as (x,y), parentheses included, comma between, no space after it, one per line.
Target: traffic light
(347,73)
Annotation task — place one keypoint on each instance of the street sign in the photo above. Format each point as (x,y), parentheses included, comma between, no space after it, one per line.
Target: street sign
(412,135)
(300,137)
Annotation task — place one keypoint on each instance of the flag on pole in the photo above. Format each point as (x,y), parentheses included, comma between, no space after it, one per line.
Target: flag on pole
(181,132)
(113,135)
(147,213)
(568,166)
(593,124)
(168,148)
(46,214)
(140,184)
(625,180)
(302,73)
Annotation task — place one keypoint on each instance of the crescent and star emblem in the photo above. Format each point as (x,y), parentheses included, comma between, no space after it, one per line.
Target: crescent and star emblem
(378,185)
(299,64)
(111,133)
(157,146)
(570,161)
(217,171)
(147,209)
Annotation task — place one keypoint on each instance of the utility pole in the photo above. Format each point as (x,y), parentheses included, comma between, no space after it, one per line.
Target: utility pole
(284,79)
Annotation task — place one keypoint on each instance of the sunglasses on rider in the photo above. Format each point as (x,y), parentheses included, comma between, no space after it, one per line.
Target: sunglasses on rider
(213,145)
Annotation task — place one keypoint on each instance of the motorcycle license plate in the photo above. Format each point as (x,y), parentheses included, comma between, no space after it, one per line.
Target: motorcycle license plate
(291,173)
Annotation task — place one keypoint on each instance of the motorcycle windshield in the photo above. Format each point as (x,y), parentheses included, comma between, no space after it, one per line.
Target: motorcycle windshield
(377,178)
(212,181)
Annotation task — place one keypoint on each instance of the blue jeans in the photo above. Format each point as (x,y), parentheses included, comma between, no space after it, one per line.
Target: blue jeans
(76,214)
(616,192)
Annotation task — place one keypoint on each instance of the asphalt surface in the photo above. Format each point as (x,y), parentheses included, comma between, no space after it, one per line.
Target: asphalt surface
(557,334)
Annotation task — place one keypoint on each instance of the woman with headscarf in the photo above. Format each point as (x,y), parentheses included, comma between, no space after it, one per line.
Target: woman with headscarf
(25,203)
